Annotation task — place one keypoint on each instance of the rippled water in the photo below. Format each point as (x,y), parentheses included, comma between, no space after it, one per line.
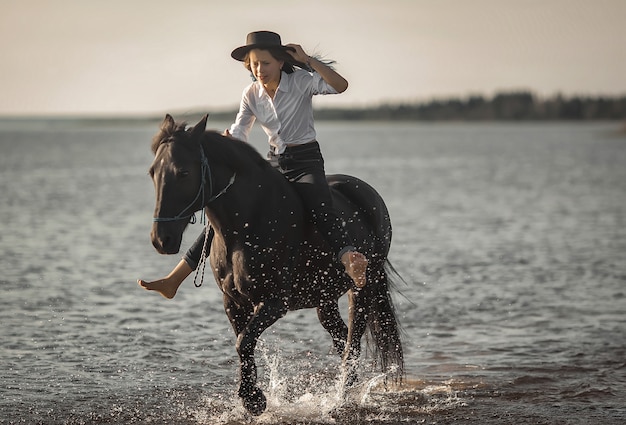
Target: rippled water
(511,239)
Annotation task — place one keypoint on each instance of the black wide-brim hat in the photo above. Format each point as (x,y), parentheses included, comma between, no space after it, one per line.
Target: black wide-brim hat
(258,40)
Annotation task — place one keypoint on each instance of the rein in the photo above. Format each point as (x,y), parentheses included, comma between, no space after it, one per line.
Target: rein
(205,170)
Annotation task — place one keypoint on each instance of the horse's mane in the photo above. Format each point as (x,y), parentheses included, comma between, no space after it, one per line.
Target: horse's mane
(226,150)
(240,155)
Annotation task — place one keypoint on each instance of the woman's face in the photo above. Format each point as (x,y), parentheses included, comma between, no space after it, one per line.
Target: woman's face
(265,67)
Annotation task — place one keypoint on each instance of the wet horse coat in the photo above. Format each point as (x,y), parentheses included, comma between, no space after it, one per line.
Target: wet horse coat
(266,256)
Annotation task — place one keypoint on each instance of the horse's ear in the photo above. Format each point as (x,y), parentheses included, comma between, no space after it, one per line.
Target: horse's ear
(168,121)
(199,128)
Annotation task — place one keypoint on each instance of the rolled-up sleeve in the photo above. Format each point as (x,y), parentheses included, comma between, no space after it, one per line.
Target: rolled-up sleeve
(319,86)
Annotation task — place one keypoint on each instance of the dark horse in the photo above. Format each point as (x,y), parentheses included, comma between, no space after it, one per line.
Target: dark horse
(266,255)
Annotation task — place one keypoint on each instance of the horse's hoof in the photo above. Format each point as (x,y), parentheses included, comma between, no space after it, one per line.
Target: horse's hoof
(254,401)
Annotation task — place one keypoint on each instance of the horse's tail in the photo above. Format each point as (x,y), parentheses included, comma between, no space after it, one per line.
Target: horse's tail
(384,338)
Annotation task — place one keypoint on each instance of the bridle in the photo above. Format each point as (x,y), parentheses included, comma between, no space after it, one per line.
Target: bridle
(206,179)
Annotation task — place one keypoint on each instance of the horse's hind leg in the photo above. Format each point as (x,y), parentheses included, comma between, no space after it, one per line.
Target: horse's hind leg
(330,318)
(266,314)
(357,322)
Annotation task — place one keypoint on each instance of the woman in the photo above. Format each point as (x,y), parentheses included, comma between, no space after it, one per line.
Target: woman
(280,98)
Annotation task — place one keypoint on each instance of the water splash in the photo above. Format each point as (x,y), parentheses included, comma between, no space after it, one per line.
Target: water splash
(305,389)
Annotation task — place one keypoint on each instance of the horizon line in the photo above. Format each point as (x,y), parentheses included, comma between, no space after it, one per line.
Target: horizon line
(223,111)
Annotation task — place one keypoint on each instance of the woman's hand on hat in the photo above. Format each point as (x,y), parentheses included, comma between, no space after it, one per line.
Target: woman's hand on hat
(297,53)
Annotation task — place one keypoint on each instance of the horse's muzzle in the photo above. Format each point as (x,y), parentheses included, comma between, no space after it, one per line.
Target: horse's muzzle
(164,240)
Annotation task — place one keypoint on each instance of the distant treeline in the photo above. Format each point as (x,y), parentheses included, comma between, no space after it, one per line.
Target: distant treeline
(513,106)
(508,106)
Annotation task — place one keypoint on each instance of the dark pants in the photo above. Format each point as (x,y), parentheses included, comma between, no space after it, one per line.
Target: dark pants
(303,167)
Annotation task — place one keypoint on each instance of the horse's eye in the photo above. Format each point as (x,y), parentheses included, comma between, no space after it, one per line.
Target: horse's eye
(181,174)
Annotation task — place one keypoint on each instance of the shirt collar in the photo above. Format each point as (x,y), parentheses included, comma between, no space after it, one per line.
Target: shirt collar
(282,86)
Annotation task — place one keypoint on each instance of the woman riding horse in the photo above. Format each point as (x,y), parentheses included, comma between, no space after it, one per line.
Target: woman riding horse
(277,227)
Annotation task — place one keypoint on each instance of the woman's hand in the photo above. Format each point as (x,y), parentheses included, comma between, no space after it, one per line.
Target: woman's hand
(329,75)
(298,53)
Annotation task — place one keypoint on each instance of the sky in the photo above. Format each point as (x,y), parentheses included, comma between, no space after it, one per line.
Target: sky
(120,57)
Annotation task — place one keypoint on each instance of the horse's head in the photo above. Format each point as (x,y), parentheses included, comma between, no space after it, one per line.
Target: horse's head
(178,175)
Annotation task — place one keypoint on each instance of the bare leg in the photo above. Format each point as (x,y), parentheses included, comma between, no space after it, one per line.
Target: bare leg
(356,267)
(169,284)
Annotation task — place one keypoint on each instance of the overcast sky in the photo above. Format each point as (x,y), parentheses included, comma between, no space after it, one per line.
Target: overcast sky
(154,56)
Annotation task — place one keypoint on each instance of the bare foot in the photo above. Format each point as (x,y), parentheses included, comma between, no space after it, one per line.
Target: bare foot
(165,287)
(169,284)
(356,267)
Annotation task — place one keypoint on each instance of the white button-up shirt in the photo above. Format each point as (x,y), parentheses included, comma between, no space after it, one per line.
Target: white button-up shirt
(288,118)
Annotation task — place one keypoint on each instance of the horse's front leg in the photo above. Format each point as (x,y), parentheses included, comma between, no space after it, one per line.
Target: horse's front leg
(266,314)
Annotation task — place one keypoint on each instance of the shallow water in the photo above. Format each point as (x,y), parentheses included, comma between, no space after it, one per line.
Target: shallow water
(511,239)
